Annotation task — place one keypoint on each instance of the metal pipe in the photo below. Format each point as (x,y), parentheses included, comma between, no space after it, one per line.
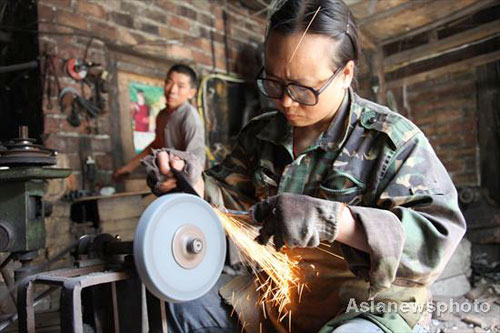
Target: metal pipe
(18,67)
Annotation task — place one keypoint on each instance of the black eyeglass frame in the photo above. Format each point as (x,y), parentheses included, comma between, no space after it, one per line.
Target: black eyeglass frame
(285,87)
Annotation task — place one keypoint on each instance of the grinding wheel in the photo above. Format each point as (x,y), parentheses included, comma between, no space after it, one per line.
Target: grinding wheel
(179,247)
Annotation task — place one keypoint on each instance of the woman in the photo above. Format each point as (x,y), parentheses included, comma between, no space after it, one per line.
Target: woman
(331,167)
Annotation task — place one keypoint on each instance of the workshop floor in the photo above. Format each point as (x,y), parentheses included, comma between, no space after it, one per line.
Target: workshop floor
(478,312)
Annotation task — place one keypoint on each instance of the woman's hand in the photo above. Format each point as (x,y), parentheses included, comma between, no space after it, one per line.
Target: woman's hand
(297,220)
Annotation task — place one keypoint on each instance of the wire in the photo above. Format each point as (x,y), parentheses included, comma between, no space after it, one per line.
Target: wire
(202,103)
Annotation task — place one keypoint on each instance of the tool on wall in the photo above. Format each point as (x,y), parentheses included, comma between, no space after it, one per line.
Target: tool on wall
(70,102)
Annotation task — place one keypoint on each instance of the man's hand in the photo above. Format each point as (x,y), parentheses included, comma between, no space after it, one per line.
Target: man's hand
(160,178)
(120,173)
(297,220)
(165,163)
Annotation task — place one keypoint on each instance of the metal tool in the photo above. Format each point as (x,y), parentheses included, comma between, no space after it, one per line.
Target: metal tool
(179,247)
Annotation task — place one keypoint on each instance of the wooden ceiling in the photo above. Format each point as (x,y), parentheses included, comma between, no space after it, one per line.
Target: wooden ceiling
(383,21)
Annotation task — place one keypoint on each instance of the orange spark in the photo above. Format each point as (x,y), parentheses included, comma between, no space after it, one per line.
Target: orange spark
(281,272)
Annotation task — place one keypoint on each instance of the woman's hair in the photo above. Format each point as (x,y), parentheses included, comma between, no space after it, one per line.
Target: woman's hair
(334,20)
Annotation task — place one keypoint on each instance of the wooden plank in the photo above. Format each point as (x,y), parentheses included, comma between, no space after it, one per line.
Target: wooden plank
(455,67)
(117,195)
(392,9)
(119,208)
(440,47)
(488,103)
(479,5)
(410,16)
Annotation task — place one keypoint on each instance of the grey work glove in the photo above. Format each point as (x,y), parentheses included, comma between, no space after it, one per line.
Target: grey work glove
(297,220)
(191,171)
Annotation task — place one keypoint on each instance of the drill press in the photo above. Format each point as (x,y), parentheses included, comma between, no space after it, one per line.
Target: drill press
(24,169)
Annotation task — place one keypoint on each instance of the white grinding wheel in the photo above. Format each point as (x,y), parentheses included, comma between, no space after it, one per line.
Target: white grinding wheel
(179,247)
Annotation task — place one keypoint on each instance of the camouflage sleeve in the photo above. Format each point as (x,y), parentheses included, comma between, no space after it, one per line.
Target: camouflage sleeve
(417,223)
(230,184)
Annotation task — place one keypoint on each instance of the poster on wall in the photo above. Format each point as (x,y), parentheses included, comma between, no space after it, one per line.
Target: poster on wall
(146,101)
(141,98)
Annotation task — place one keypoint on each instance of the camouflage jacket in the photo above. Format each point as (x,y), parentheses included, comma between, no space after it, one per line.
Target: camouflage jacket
(384,168)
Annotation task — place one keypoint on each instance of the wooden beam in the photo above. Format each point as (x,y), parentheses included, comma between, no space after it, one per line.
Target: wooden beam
(366,40)
(389,13)
(378,64)
(410,16)
(481,4)
(365,8)
(455,67)
(440,47)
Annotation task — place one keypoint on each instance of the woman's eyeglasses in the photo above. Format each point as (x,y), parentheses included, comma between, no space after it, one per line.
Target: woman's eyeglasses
(301,94)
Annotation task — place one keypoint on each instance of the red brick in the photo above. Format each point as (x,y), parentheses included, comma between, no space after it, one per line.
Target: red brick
(219,24)
(465,178)
(71,20)
(51,125)
(100,145)
(178,52)
(170,34)
(62,143)
(167,5)
(55,103)
(201,57)
(203,44)
(205,19)
(104,123)
(104,161)
(92,9)
(156,15)
(46,13)
(149,28)
(127,38)
(179,22)
(57,3)
(454,166)
(104,30)
(67,51)
(463,127)
(187,12)
(125,20)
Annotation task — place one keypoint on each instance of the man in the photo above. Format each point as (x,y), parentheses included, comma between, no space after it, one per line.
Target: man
(178,126)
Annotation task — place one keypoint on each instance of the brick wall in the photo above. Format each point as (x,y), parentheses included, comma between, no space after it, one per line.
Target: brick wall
(157,33)
(169,30)
(445,109)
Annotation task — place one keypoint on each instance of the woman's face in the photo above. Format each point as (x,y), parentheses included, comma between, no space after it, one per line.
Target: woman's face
(310,66)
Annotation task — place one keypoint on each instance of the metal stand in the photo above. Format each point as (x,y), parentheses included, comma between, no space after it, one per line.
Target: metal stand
(72,281)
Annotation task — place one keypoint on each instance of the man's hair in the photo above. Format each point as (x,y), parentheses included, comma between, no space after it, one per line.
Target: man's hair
(186,70)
